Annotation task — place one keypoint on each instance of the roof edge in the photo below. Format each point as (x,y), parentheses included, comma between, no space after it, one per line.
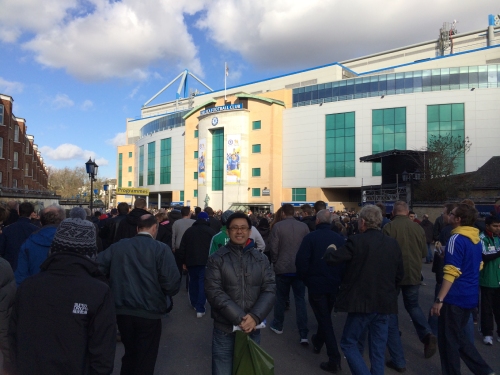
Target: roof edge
(197,108)
(264,99)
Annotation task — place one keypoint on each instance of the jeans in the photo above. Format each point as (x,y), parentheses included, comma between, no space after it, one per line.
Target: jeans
(355,326)
(490,308)
(223,350)
(454,344)
(410,300)
(394,344)
(283,284)
(322,306)
(197,287)
(430,253)
(141,339)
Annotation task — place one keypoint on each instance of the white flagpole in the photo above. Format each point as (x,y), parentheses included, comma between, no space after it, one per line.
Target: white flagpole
(225,81)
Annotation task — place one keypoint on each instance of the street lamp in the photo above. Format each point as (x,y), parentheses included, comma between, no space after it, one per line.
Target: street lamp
(105,187)
(91,167)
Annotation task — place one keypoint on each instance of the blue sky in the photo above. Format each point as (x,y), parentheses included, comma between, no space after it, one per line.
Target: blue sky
(77,69)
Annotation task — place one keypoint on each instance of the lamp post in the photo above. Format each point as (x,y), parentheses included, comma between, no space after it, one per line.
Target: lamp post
(415,176)
(91,167)
(105,187)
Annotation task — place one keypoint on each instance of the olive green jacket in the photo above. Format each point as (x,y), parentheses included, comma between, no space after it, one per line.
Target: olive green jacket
(411,240)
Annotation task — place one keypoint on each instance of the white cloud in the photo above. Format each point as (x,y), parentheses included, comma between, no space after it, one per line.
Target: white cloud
(10,87)
(86,105)
(289,34)
(101,162)
(61,101)
(110,39)
(119,139)
(134,91)
(66,151)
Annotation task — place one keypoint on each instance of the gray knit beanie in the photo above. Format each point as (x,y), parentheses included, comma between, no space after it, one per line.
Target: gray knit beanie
(77,213)
(225,216)
(77,236)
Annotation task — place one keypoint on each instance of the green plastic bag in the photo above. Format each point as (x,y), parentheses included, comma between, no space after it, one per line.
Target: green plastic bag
(249,358)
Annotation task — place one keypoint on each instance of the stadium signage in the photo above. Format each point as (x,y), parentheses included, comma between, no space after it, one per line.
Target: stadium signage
(228,107)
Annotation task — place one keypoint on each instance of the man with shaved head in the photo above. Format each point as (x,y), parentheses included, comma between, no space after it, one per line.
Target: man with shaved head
(142,272)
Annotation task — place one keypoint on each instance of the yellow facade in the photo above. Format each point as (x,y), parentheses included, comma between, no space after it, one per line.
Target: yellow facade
(126,171)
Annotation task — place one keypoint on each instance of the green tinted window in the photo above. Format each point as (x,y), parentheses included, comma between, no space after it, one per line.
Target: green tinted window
(255,149)
(255,192)
(151,163)
(120,172)
(166,161)
(340,145)
(181,195)
(196,154)
(130,184)
(255,172)
(256,125)
(130,154)
(141,166)
(195,193)
(196,133)
(130,169)
(299,194)
(218,160)
(195,176)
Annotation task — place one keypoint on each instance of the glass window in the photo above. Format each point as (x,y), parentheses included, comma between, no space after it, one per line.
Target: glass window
(340,145)
(196,154)
(120,172)
(388,132)
(16,133)
(1,114)
(195,175)
(196,133)
(256,125)
(151,163)
(195,193)
(255,192)
(14,183)
(16,159)
(299,194)
(130,169)
(218,160)
(165,161)
(181,195)
(141,166)
(1,148)
(26,169)
(255,172)
(129,184)
(447,119)
(1,178)
(130,154)
(255,149)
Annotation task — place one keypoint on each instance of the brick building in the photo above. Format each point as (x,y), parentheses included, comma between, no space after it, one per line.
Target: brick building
(21,164)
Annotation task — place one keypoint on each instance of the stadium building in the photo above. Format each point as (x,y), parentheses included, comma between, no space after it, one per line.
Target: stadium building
(299,137)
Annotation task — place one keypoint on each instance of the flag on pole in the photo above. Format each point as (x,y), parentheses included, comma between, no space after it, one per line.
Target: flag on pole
(227,70)
(225,80)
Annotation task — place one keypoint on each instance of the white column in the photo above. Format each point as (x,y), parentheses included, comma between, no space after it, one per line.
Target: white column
(159,200)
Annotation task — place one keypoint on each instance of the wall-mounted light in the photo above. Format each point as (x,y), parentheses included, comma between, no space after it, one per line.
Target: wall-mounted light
(472,89)
(382,97)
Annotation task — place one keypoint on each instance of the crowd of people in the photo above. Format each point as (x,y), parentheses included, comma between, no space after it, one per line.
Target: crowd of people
(74,283)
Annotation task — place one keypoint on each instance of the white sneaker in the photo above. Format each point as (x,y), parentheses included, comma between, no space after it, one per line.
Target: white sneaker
(488,340)
(304,342)
(200,315)
(275,330)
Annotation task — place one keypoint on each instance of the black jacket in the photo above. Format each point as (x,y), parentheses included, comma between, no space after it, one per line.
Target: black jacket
(113,226)
(312,268)
(215,224)
(195,244)
(310,221)
(63,320)
(127,227)
(374,267)
(239,281)
(12,237)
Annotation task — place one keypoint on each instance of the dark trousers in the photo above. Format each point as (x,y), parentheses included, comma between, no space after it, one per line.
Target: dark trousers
(141,338)
(454,344)
(322,306)
(490,307)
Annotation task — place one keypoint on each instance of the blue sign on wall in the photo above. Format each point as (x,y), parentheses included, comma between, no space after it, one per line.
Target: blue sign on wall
(228,107)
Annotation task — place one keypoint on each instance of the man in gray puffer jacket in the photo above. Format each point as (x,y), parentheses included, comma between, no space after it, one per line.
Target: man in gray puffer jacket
(7,295)
(240,288)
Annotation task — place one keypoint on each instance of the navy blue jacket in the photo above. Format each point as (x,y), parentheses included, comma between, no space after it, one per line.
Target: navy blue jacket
(13,237)
(311,268)
(33,252)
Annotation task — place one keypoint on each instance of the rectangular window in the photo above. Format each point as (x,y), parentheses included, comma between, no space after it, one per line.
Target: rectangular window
(388,132)
(255,149)
(27,146)
(181,196)
(218,160)
(14,183)
(299,194)
(120,172)
(1,175)
(26,169)
(166,161)
(130,169)
(130,184)
(196,154)
(196,133)
(16,159)
(340,157)
(196,193)
(16,133)
(1,148)
(1,114)
(256,125)
(255,172)
(255,192)
(195,175)
(130,154)
(151,163)
(444,120)
(141,166)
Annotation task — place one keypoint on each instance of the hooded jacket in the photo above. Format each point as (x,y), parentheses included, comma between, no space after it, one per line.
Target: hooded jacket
(34,252)
(63,320)
(195,244)
(7,294)
(127,227)
(239,281)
